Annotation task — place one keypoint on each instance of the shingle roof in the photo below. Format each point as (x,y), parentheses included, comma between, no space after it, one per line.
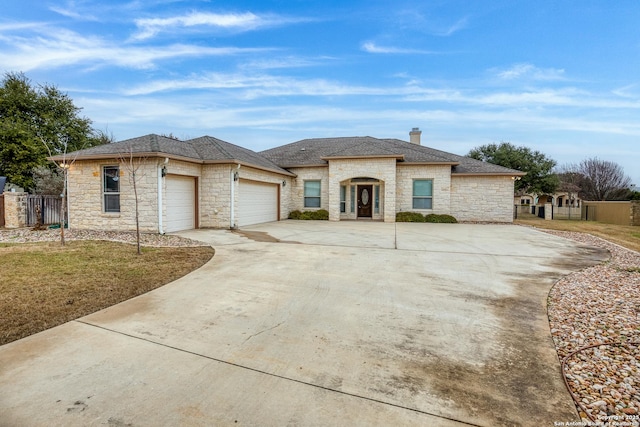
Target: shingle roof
(317,151)
(205,149)
(307,152)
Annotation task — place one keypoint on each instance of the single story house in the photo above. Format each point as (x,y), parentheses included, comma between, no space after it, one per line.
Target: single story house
(206,182)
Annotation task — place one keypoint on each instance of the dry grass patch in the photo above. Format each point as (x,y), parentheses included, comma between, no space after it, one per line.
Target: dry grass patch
(623,235)
(44,284)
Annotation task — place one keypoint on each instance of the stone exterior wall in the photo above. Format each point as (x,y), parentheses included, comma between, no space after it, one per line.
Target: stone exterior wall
(15,209)
(296,192)
(215,195)
(635,212)
(482,198)
(86,197)
(341,170)
(441,176)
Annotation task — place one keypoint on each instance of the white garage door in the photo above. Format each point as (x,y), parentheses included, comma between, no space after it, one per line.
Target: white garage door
(181,203)
(258,202)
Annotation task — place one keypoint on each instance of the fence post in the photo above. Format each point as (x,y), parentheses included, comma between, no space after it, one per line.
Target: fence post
(15,206)
(548,211)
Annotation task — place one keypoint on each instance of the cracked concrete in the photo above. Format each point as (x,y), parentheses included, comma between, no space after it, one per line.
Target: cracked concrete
(341,328)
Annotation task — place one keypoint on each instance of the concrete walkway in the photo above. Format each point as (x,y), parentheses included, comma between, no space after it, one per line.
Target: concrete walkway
(350,323)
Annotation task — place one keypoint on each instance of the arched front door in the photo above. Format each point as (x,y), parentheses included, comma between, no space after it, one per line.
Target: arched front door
(365,201)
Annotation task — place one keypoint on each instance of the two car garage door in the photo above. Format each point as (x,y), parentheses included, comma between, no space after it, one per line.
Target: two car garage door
(257,203)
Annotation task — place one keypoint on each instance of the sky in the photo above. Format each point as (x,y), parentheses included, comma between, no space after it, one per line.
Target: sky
(560,77)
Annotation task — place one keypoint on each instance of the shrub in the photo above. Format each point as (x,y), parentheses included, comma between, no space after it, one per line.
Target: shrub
(440,218)
(321,214)
(409,217)
(295,215)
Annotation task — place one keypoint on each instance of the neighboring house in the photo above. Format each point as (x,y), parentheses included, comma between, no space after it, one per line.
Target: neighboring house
(206,182)
(559,199)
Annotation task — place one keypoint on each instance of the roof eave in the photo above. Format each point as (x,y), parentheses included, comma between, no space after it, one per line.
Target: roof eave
(249,165)
(375,156)
(430,163)
(511,174)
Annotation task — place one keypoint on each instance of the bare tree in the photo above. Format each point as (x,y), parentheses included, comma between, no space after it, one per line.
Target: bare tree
(66,160)
(570,182)
(603,180)
(133,166)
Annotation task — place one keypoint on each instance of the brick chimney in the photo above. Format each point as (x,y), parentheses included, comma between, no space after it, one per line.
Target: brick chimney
(414,136)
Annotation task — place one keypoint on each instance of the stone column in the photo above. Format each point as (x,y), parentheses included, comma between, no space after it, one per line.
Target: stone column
(15,209)
(548,211)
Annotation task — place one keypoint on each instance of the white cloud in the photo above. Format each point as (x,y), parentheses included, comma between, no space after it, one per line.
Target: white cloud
(69,12)
(457,26)
(258,86)
(371,47)
(529,71)
(149,27)
(60,47)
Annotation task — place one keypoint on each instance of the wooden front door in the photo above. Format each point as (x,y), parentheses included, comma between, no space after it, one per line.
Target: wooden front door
(365,201)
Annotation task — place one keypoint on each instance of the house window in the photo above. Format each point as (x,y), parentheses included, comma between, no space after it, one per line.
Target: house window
(111,188)
(422,194)
(376,200)
(343,199)
(312,194)
(353,198)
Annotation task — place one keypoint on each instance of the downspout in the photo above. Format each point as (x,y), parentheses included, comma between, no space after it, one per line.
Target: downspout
(233,176)
(160,230)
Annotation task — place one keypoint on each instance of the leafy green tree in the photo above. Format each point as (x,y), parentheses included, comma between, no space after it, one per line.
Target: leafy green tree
(539,178)
(32,118)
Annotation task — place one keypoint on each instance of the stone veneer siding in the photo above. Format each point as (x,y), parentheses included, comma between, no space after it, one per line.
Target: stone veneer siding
(296,190)
(214,194)
(86,197)
(482,198)
(441,176)
(383,169)
(15,209)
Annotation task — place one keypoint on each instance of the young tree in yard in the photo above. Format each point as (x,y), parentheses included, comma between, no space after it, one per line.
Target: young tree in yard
(539,178)
(30,115)
(603,180)
(133,166)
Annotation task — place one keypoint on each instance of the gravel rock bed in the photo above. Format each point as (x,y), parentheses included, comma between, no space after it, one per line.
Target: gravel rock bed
(594,315)
(27,235)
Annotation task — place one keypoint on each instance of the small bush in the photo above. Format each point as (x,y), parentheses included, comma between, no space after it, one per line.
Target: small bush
(321,214)
(409,217)
(448,219)
(295,215)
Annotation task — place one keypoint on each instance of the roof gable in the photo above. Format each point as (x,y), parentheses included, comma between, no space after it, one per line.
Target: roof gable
(205,149)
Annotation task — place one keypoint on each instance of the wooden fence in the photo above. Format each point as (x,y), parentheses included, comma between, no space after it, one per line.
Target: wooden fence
(621,213)
(48,207)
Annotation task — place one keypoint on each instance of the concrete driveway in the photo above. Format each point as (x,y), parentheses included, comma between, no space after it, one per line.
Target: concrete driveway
(350,323)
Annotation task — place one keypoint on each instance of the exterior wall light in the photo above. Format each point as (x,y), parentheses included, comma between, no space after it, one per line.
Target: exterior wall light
(163,171)
(236,176)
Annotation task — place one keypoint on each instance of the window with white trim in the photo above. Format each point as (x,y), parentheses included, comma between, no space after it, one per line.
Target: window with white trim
(422,194)
(111,189)
(312,193)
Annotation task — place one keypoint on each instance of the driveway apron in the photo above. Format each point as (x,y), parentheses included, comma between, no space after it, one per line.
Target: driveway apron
(317,323)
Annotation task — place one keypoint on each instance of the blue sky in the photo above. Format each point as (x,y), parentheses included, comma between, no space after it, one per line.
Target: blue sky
(562,77)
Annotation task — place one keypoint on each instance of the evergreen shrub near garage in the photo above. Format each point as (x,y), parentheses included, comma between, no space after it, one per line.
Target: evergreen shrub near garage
(418,217)
(448,219)
(321,214)
(409,217)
